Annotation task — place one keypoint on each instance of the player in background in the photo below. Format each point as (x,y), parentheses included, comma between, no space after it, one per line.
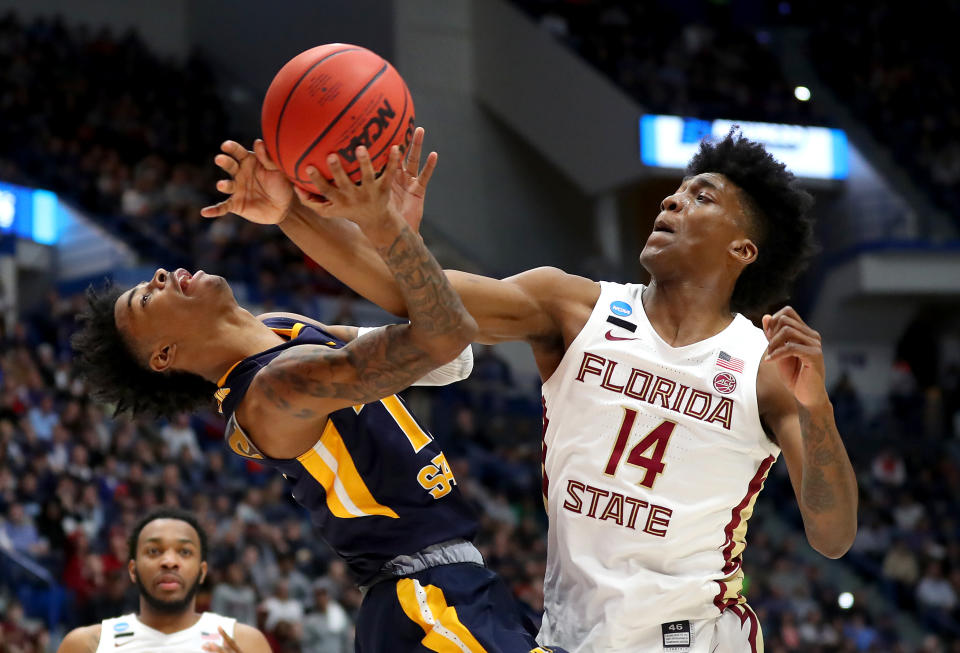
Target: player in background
(316,403)
(664,408)
(168,561)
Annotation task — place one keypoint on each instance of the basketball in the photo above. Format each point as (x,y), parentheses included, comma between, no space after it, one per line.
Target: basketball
(334,98)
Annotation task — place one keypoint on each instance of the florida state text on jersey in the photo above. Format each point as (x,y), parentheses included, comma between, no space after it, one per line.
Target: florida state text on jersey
(653,458)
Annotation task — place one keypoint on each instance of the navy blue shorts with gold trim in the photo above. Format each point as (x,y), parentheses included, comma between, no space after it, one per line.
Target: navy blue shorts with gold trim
(457,608)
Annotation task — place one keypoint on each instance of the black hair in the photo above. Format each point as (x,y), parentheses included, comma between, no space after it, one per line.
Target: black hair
(778,210)
(113,373)
(167,512)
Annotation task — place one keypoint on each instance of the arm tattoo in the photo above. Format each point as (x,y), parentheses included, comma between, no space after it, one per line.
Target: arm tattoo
(432,304)
(383,361)
(822,458)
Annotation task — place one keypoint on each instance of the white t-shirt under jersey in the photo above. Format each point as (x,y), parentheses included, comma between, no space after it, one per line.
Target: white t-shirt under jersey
(653,458)
(127,634)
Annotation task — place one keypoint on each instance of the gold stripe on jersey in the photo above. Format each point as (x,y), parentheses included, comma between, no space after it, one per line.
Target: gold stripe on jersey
(290,333)
(740,532)
(223,379)
(731,589)
(427,607)
(417,436)
(331,466)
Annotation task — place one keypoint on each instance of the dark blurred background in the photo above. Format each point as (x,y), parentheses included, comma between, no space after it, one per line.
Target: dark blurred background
(111,113)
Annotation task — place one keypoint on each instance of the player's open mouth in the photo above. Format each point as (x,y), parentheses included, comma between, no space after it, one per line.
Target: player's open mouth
(184,279)
(659,225)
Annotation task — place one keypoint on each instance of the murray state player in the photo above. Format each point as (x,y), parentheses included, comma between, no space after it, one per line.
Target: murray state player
(664,408)
(168,561)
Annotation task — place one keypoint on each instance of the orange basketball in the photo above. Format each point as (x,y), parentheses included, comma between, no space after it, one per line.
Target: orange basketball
(334,98)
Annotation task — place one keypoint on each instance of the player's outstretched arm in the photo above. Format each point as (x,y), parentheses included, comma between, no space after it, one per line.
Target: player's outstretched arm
(529,306)
(85,639)
(304,384)
(794,404)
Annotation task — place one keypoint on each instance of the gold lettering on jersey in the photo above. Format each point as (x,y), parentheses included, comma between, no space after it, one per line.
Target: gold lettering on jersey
(656,390)
(587,365)
(723,413)
(694,411)
(606,379)
(612,506)
(220,395)
(437,477)
(241,445)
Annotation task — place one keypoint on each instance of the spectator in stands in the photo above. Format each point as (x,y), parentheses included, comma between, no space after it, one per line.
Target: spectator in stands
(179,434)
(936,597)
(901,570)
(888,468)
(298,587)
(235,596)
(22,534)
(280,606)
(43,418)
(326,628)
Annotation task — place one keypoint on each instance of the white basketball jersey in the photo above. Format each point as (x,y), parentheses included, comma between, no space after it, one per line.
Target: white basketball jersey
(127,634)
(653,458)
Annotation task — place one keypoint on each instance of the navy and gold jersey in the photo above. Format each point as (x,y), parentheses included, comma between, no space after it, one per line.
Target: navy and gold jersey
(376,483)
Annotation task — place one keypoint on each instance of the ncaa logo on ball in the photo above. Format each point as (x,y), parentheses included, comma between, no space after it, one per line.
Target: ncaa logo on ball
(622,309)
(724,383)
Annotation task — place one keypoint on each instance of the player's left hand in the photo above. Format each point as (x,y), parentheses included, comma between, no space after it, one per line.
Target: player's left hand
(410,182)
(368,204)
(258,189)
(797,351)
(229,644)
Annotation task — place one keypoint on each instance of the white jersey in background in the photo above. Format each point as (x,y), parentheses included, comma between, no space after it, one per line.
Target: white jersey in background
(653,458)
(127,634)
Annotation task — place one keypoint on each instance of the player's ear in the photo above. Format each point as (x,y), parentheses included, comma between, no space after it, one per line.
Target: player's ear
(744,251)
(132,570)
(162,358)
(203,571)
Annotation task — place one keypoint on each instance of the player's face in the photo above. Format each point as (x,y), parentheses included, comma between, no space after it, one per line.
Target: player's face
(172,308)
(700,225)
(167,568)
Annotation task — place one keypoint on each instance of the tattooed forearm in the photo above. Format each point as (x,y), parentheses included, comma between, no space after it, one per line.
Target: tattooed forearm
(432,304)
(386,360)
(821,452)
(829,487)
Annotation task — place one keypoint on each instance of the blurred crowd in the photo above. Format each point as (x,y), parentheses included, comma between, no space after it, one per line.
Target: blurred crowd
(902,87)
(708,61)
(704,64)
(130,139)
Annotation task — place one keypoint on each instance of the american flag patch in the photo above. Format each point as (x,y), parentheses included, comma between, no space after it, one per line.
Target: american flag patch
(729,362)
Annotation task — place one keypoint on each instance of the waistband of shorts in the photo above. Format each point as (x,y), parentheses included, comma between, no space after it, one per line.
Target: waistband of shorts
(450,552)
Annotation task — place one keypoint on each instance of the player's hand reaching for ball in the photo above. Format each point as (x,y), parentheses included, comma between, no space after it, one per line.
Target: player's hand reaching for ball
(410,182)
(370,204)
(258,189)
(796,349)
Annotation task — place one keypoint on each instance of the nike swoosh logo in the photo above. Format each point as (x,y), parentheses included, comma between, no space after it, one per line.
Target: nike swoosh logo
(609,336)
(123,643)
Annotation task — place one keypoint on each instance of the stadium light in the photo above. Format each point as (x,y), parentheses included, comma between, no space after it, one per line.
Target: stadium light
(845,600)
(802,93)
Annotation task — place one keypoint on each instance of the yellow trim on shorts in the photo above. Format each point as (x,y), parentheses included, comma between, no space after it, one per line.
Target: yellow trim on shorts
(427,607)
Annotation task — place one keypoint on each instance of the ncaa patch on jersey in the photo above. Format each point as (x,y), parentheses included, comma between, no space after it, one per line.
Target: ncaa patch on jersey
(120,627)
(677,636)
(623,309)
(724,383)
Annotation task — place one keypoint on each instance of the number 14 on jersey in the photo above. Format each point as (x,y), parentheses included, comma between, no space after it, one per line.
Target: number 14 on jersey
(640,454)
